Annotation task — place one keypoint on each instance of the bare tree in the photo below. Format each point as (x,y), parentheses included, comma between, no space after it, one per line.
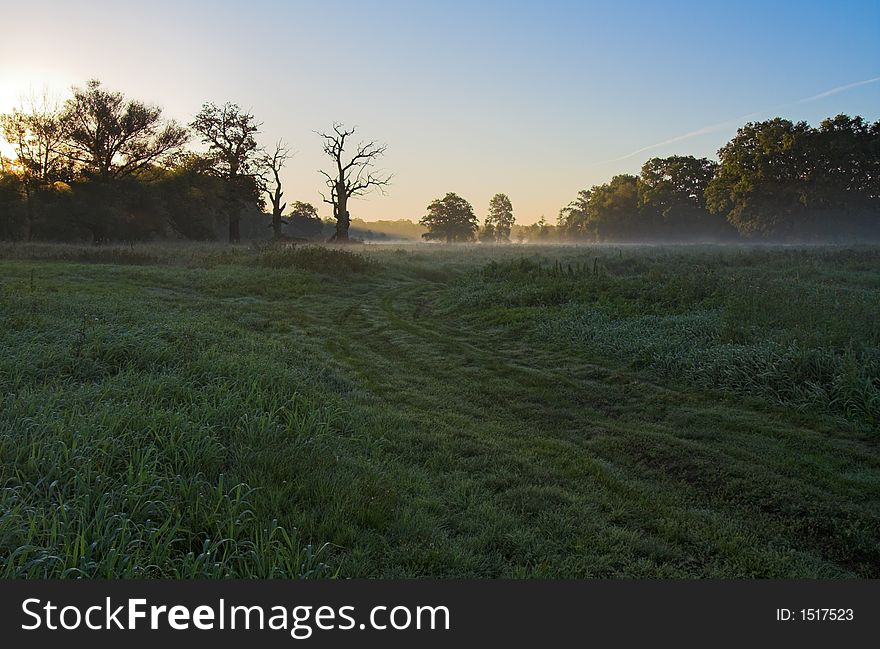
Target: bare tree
(230,134)
(270,183)
(352,178)
(108,136)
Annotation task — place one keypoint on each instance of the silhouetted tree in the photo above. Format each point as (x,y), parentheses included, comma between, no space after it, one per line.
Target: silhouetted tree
(230,134)
(500,217)
(352,177)
(450,218)
(11,206)
(193,198)
(303,221)
(105,135)
(574,218)
(35,134)
(272,164)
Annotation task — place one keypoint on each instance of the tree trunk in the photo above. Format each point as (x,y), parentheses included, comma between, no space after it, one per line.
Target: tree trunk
(233,184)
(276,224)
(342,224)
(343,220)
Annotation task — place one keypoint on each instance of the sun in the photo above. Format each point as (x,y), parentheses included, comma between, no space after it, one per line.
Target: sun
(22,83)
(29,84)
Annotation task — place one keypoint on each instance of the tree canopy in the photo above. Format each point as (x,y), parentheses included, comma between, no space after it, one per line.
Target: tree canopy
(106,135)
(450,219)
(104,166)
(779,179)
(234,156)
(500,219)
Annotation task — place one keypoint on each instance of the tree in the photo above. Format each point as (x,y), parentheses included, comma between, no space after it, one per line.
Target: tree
(272,164)
(36,136)
(114,147)
(677,180)
(192,198)
(672,193)
(303,221)
(574,219)
(230,134)
(500,217)
(107,136)
(844,188)
(450,218)
(538,231)
(761,179)
(614,210)
(10,200)
(350,178)
(488,233)
(785,180)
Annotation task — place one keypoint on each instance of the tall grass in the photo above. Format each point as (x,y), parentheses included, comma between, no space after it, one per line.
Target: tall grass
(235,411)
(319,259)
(799,334)
(127,444)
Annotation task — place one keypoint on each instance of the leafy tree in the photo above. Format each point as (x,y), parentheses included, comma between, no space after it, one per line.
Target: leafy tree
(614,210)
(107,136)
(450,218)
(487,233)
(192,198)
(111,145)
(36,136)
(11,208)
(230,134)
(574,218)
(672,191)
(303,221)
(543,229)
(762,180)
(397,229)
(352,177)
(671,182)
(844,185)
(500,219)
(127,209)
(301,209)
(539,231)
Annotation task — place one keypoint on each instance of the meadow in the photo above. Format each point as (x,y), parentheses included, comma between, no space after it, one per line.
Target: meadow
(428,410)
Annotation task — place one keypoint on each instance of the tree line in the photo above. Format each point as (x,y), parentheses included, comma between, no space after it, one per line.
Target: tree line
(775,180)
(104,167)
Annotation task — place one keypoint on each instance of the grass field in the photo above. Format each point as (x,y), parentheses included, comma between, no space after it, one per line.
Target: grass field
(207,411)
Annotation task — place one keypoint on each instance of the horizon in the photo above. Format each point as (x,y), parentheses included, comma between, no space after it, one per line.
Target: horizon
(537,103)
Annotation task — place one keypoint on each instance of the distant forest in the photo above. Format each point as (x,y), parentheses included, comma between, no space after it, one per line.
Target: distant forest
(103,168)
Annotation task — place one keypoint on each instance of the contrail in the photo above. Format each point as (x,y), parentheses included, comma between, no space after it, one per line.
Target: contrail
(700,131)
(834,91)
(737,120)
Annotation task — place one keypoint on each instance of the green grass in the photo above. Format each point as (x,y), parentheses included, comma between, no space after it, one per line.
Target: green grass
(210,411)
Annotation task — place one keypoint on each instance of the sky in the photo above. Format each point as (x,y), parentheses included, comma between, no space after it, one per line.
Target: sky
(533,99)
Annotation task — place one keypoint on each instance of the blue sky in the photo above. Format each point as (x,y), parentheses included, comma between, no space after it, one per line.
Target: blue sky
(535,99)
